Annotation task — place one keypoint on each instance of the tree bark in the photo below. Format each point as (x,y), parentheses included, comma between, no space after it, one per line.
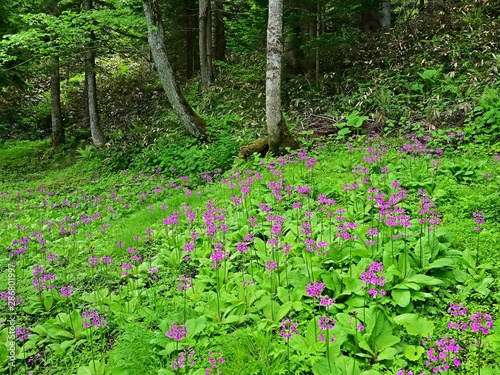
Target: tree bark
(90,78)
(55,103)
(385,15)
(277,130)
(189,38)
(188,119)
(218,31)
(205,32)
(55,90)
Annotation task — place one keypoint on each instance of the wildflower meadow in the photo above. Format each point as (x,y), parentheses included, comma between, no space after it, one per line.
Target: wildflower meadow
(372,257)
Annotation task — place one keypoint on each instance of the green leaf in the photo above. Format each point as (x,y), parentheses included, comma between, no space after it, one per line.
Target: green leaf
(344,131)
(424,280)
(197,325)
(402,297)
(283,310)
(323,368)
(415,324)
(440,263)
(388,353)
(413,353)
(347,365)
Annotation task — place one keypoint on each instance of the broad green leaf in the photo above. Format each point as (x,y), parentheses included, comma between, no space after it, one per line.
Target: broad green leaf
(424,280)
(283,310)
(415,324)
(347,365)
(322,367)
(439,263)
(413,353)
(196,325)
(402,297)
(388,353)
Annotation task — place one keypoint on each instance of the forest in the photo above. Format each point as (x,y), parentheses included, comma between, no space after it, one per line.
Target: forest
(248,187)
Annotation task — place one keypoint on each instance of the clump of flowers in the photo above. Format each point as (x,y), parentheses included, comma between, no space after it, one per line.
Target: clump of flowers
(66,291)
(457,312)
(443,355)
(326,324)
(41,279)
(214,362)
(315,289)
(177,331)
(480,322)
(180,362)
(288,328)
(375,279)
(22,334)
(93,319)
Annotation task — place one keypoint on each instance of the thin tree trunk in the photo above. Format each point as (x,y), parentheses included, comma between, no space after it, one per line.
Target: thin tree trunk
(55,103)
(218,32)
(188,39)
(318,34)
(55,90)
(277,130)
(95,129)
(205,31)
(86,116)
(385,15)
(188,119)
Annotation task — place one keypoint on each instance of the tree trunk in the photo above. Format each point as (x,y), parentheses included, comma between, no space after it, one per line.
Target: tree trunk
(385,15)
(277,130)
(55,90)
(188,40)
(218,32)
(188,119)
(95,129)
(205,43)
(55,103)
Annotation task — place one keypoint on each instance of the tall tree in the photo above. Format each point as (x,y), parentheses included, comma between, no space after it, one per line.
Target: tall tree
(156,39)
(278,133)
(55,89)
(218,31)
(205,42)
(91,85)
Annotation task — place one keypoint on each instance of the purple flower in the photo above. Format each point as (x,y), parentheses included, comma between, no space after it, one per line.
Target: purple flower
(315,289)
(93,261)
(218,255)
(66,291)
(184,283)
(479,219)
(125,267)
(152,274)
(41,279)
(22,334)
(271,265)
(214,363)
(180,362)
(374,278)
(326,323)
(326,301)
(189,247)
(106,259)
(443,354)
(241,247)
(93,318)
(177,331)
(288,328)
(481,323)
